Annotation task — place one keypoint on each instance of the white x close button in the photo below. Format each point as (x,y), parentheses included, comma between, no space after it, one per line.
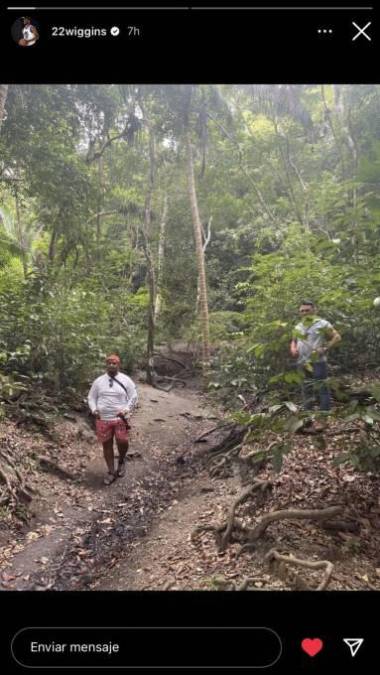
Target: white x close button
(361,31)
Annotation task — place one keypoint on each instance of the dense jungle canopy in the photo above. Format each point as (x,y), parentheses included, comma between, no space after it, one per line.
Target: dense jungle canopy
(133,216)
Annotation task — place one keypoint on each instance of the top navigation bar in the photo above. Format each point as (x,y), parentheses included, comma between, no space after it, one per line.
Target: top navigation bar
(191,44)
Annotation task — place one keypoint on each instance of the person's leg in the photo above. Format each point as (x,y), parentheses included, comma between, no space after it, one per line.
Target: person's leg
(320,374)
(123,449)
(307,391)
(121,433)
(104,432)
(109,455)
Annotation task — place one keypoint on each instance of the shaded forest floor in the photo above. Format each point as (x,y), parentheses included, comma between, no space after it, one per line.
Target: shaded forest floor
(140,533)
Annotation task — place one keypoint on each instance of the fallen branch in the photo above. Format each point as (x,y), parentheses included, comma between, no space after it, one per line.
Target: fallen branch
(315,565)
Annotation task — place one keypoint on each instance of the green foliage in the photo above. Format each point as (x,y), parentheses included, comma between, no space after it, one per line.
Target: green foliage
(60,334)
(287,181)
(364,456)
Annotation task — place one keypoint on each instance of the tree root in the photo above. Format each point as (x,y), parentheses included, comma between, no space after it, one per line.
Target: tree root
(200,438)
(234,438)
(273,555)
(223,533)
(221,467)
(262,485)
(12,488)
(292,514)
(247,581)
(226,454)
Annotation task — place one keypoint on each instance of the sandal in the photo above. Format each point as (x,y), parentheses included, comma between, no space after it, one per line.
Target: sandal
(121,469)
(109,478)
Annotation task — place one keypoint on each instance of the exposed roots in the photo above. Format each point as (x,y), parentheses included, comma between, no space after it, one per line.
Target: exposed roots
(13,487)
(273,556)
(233,439)
(201,438)
(245,584)
(224,532)
(292,514)
(257,485)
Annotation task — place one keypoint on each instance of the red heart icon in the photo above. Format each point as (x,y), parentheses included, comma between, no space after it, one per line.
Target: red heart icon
(312,646)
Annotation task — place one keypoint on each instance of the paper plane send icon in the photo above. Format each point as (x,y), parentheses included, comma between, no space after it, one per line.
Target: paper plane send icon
(353,644)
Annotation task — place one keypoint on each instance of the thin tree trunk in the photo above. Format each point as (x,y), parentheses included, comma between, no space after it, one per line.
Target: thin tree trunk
(52,245)
(334,133)
(20,236)
(100,205)
(285,160)
(161,253)
(200,255)
(151,282)
(206,241)
(3,99)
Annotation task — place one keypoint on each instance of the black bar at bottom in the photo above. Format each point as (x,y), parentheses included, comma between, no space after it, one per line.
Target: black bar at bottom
(147,647)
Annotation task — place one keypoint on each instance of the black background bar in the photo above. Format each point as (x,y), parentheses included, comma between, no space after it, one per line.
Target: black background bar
(198,46)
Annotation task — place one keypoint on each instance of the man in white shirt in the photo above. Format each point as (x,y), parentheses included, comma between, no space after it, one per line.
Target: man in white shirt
(111,399)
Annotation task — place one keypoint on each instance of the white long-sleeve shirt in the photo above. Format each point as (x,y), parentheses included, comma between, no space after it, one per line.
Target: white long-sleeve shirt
(109,397)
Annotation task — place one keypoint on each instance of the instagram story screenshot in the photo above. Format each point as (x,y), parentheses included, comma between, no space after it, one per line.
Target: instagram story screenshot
(189,338)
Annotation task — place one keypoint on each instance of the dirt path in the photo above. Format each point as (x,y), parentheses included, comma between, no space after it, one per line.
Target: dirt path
(65,512)
(136,534)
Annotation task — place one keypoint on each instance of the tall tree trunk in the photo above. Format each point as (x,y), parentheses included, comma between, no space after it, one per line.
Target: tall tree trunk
(151,282)
(52,245)
(3,99)
(161,252)
(20,234)
(100,206)
(199,253)
(206,240)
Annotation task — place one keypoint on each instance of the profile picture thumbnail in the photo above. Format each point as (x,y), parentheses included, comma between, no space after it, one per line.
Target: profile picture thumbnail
(25,31)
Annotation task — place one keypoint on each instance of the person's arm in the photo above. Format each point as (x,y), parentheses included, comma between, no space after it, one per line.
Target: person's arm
(132,396)
(294,348)
(333,338)
(93,398)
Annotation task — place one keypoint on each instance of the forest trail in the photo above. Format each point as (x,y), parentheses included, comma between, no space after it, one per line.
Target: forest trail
(137,533)
(69,505)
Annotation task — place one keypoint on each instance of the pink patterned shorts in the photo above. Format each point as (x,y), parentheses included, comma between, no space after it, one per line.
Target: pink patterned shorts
(107,429)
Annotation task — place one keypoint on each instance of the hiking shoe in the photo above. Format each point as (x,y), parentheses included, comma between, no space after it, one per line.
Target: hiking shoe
(109,478)
(121,469)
